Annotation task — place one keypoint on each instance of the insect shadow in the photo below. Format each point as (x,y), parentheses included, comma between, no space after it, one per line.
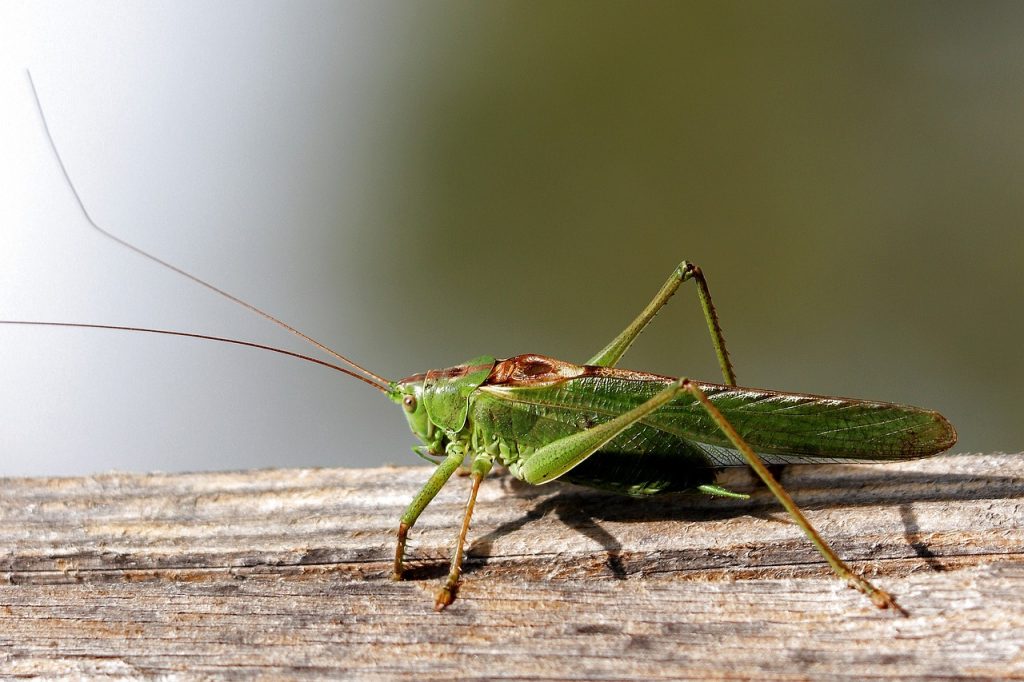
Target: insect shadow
(584,510)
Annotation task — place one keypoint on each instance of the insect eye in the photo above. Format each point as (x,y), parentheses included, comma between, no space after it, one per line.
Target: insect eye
(409,402)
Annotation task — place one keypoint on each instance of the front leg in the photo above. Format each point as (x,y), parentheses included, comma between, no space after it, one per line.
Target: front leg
(446,595)
(455,453)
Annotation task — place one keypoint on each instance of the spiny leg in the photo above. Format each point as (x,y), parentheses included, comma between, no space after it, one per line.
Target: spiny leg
(434,484)
(446,595)
(609,356)
(879,597)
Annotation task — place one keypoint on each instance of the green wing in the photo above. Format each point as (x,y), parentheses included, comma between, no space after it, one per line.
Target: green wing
(784,428)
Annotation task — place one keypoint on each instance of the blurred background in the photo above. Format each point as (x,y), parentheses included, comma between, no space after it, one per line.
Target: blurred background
(419,183)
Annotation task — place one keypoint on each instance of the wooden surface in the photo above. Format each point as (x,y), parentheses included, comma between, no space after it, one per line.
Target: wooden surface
(286,573)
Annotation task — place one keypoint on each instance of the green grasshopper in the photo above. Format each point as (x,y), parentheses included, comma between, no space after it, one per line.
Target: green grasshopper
(639,433)
(615,429)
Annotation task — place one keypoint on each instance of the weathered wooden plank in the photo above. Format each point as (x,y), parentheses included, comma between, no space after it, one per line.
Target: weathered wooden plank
(285,573)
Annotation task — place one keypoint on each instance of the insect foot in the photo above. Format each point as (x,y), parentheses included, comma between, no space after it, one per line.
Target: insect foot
(878,597)
(403,533)
(446,595)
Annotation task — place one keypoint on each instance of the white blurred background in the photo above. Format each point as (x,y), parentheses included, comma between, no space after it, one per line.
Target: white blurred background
(419,183)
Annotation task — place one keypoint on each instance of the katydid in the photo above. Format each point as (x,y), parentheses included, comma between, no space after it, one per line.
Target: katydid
(595,424)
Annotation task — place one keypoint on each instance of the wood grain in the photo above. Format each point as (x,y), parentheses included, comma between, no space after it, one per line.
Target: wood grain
(285,573)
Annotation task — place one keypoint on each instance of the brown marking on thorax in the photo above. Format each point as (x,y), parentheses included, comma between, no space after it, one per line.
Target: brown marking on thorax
(452,372)
(534,370)
(438,374)
(531,369)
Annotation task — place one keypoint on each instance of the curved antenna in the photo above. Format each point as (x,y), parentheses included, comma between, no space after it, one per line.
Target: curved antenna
(174,268)
(382,388)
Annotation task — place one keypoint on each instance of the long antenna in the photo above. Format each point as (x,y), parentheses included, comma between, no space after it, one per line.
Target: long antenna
(174,268)
(190,335)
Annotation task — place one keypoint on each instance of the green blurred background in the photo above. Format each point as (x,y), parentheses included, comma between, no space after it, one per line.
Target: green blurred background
(420,183)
